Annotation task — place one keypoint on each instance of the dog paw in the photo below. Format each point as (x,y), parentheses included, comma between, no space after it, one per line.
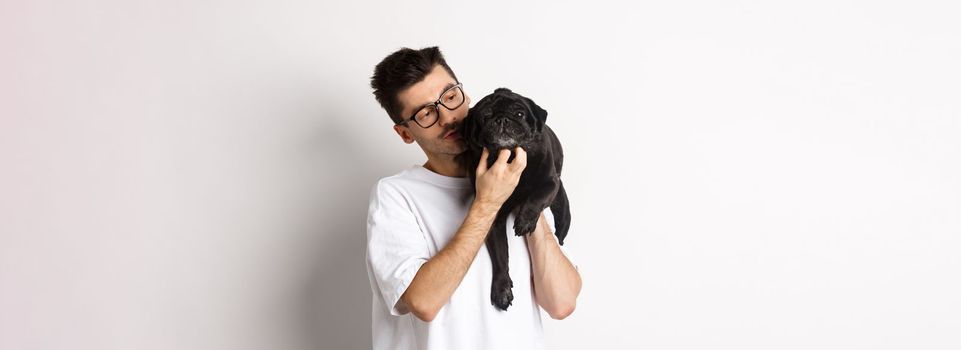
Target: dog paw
(523,225)
(501,295)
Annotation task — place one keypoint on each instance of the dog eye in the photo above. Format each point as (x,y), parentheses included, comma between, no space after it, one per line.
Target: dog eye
(520,114)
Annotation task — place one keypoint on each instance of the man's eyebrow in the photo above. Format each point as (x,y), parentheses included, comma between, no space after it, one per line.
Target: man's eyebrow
(449,85)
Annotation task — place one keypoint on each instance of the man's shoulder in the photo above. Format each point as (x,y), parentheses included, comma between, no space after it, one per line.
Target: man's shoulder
(405,183)
(415,181)
(400,179)
(391,191)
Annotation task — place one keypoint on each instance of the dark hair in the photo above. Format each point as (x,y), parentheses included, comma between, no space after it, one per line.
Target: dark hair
(399,71)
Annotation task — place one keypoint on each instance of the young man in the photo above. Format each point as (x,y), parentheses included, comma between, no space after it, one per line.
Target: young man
(429,271)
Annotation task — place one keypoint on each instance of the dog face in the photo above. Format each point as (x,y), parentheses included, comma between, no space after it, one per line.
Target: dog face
(502,120)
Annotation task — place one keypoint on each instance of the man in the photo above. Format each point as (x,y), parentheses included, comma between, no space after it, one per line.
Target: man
(430,277)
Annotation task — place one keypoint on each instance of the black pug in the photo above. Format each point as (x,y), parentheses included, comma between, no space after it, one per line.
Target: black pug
(504,120)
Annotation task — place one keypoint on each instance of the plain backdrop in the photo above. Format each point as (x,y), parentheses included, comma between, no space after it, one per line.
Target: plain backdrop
(742,174)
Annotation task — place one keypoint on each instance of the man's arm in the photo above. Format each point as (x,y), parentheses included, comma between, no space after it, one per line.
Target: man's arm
(437,279)
(556,282)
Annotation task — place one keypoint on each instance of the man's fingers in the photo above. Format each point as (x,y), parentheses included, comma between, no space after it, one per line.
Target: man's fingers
(483,159)
(482,167)
(520,159)
(502,157)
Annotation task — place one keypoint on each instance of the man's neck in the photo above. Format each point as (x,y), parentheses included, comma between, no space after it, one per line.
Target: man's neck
(448,168)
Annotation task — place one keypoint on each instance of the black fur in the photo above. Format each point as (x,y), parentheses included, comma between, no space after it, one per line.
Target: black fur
(504,120)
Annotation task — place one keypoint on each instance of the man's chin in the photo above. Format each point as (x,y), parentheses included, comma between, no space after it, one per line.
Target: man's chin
(458,142)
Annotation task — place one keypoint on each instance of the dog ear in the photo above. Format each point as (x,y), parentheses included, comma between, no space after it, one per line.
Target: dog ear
(470,129)
(540,115)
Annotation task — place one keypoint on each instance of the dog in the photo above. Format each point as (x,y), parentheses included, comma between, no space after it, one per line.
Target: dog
(505,120)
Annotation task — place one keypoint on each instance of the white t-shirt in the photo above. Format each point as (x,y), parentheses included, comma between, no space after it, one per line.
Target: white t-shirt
(412,216)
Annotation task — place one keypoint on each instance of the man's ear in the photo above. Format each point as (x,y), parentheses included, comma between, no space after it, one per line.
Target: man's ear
(540,115)
(404,133)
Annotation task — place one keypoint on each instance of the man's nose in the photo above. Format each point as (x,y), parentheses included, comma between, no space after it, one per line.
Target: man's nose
(449,117)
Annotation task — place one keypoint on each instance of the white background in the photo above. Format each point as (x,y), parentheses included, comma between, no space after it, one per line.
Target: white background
(743,174)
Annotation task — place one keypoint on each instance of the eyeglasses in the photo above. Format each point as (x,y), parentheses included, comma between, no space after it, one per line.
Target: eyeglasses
(427,116)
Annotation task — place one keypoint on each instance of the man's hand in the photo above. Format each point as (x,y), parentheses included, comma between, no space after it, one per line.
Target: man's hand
(497,183)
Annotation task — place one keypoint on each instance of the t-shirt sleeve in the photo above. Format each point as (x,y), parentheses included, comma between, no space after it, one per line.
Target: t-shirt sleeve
(396,247)
(549,216)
